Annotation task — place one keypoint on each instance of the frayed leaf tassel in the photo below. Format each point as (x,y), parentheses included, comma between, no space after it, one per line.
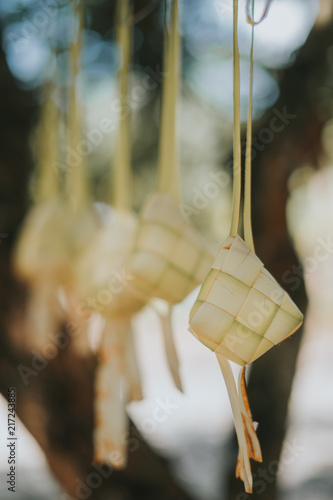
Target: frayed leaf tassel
(112,395)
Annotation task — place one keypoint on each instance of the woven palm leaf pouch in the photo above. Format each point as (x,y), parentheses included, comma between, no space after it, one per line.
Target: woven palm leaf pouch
(102,271)
(241,311)
(105,285)
(41,255)
(170,259)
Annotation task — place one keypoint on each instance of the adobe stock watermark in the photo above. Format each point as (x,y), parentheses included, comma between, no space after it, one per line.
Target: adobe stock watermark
(265,136)
(322,252)
(29,27)
(218,181)
(40,360)
(118,281)
(265,476)
(160,413)
(94,480)
(59,341)
(223,7)
(121,109)
(263,311)
(202,197)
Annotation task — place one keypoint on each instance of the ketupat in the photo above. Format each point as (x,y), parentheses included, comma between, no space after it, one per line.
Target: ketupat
(246,309)
(169,258)
(40,257)
(101,273)
(110,252)
(241,311)
(102,268)
(58,226)
(80,222)
(118,378)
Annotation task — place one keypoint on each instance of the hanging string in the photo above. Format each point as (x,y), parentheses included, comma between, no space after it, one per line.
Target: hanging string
(237,131)
(76,178)
(243,470)
(250,17)
(168,165)
(248,235)
(122,180)
(47,183)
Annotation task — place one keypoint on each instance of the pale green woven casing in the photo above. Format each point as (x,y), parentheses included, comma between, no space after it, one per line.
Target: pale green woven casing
(39,248)
(104,260)
(241,311)
(169,259)
(51,239)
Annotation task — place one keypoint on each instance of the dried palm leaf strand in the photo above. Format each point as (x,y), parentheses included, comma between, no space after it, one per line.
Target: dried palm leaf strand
(236,129)
(80,220)
(243,470)
(47,185)
(168,161)
(164,312)
(250,426)
(248,236)
(112,395)
(77,186)
(121,181)
(133,371)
